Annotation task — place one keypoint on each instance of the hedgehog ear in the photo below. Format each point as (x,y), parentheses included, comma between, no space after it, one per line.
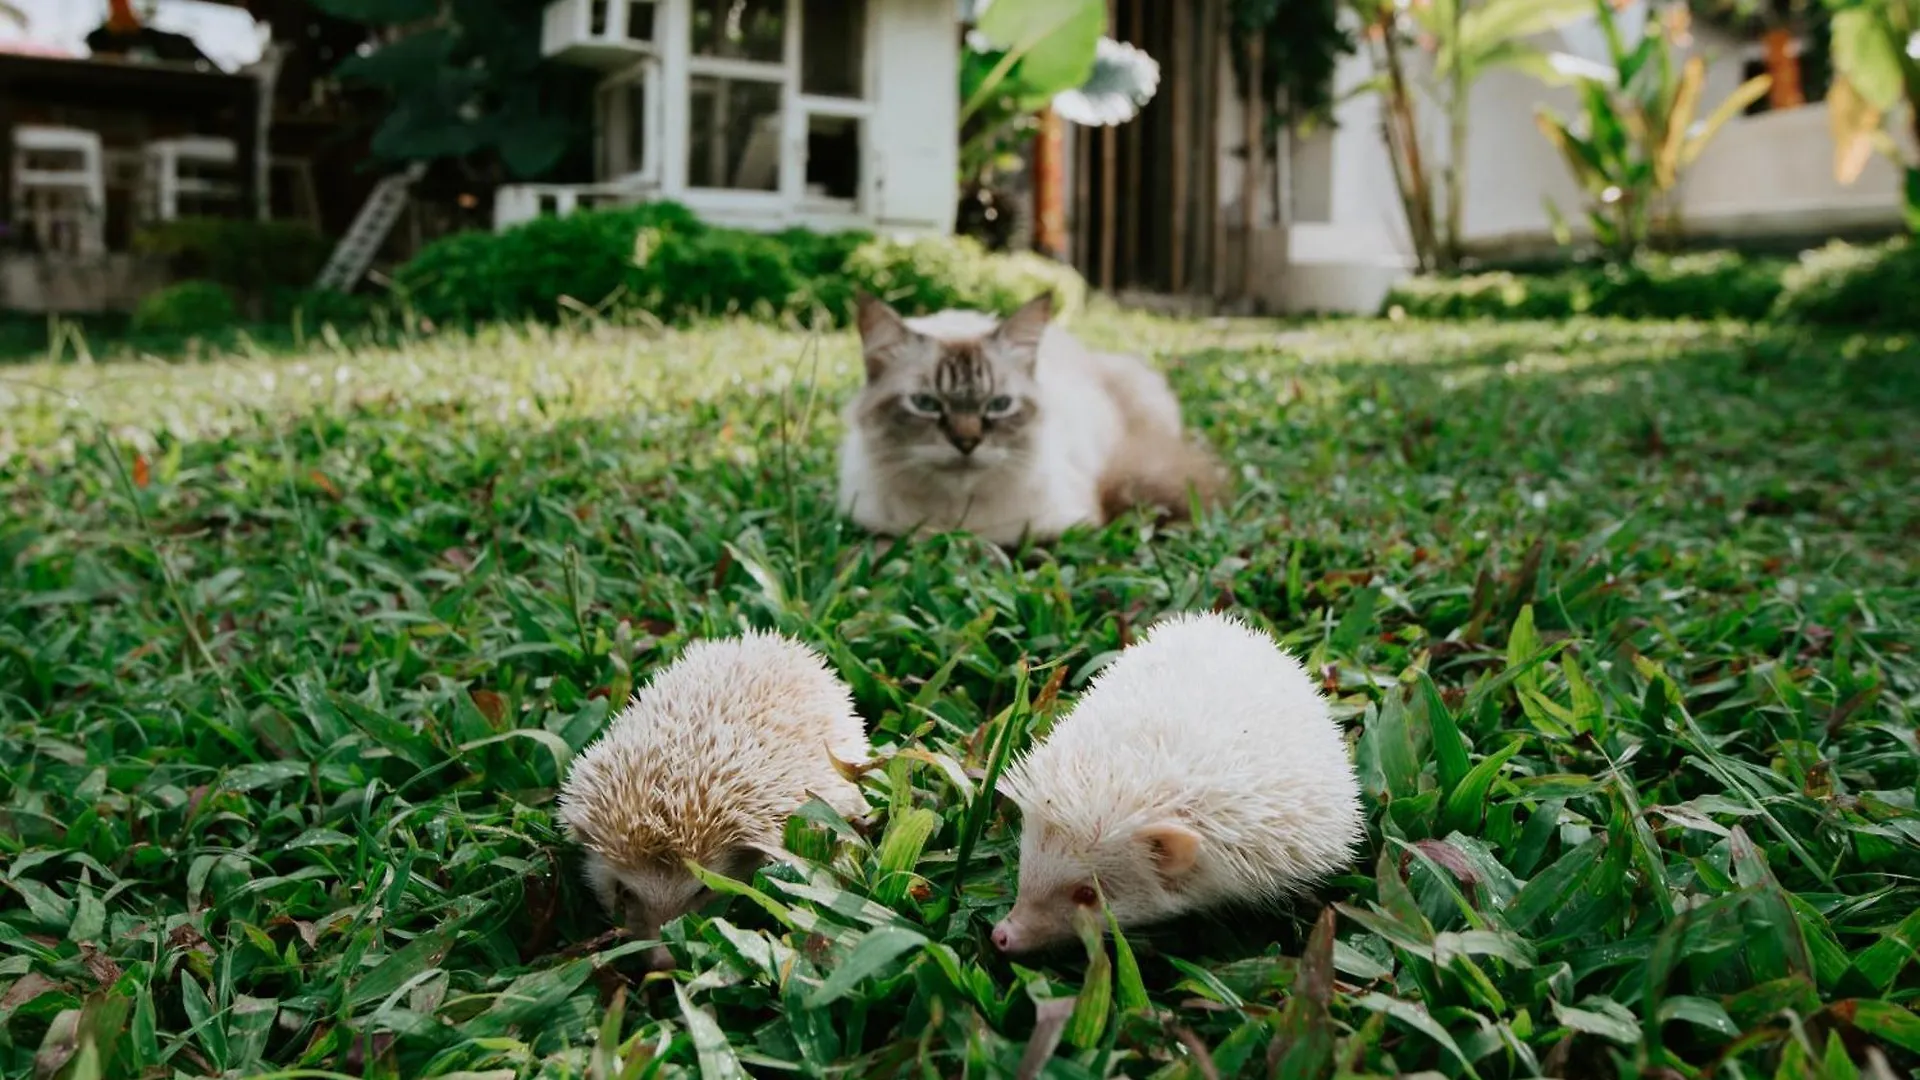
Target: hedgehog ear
(1173,847)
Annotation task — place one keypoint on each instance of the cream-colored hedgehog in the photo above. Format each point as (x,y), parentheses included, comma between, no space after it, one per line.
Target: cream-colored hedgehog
(707,762)
(1200,768)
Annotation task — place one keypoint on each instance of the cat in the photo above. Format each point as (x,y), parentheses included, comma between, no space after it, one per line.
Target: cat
(1008,429)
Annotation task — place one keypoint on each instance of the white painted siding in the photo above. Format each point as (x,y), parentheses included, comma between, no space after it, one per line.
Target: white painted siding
(916,122)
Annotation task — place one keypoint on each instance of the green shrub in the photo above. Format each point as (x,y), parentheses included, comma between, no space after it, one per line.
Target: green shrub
(658,258)
(188,307)
(313,308)
(930,273)
(1716,284)
(254,257)
(1841,285)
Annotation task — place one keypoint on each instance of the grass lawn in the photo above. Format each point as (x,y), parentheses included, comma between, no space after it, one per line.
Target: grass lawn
(1622,620)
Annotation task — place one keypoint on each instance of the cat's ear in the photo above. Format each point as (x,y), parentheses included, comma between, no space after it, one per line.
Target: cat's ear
(882,330)
(1021,331)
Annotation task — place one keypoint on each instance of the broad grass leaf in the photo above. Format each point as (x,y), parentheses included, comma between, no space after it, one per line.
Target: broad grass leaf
(1607,1019)
(873,953)
(1885,1020)
(1415,1016)
(1304,1034)
(710,1045)
(1701,1012)
(1548,892)
(529,998)
(1449,747)
(1130,990)
(418,956)
(1468,803)
(900,847)
(1094,1002)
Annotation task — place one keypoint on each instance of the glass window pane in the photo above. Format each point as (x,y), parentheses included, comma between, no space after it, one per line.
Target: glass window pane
(833,39)
(740,29)
(733,133)
(597,18)
(640,20)
(833,157)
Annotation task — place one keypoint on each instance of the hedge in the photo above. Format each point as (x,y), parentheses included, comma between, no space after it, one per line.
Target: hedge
(1711,285)
(186,308)
(1876,287)
(658,258)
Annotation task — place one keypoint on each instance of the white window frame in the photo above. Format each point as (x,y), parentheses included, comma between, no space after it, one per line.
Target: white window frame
(796,108)
(612,90)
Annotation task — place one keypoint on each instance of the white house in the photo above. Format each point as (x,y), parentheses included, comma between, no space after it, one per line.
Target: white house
(765,114)
(1173,205)
(1765,175)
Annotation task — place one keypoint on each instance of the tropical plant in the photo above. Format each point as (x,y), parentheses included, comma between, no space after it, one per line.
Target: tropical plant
(1876,68)
(1638,134)
(1024,56)
(1435,51)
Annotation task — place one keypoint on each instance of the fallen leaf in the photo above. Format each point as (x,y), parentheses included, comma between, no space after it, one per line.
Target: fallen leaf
(142,472)
(491,705)
(320,480)
(25,989)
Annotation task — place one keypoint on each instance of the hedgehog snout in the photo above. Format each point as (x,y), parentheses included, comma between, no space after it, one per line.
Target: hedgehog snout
(658,958)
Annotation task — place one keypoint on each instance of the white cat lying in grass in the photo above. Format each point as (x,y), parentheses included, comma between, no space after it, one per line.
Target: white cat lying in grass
(1009,428)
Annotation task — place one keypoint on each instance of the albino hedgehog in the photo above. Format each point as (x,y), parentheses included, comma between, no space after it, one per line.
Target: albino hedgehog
(707,762)
(1200,768)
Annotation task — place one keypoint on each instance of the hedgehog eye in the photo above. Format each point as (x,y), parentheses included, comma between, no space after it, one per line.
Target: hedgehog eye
(1085,896)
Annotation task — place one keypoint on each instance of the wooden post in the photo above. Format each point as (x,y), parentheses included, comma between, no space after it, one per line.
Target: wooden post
(1109,188)
(1049,187)
(1217,222)
(1251,193)
(1136,186)
(1083,219)
(1783,63)
(1178,108)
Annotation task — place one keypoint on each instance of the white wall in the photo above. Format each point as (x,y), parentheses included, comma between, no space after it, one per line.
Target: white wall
(1766,174)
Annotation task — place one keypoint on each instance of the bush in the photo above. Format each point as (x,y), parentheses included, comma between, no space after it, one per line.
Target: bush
(1854,287)
(1717,284)
(930,273)
(254,257)
(189,307)
(659,258)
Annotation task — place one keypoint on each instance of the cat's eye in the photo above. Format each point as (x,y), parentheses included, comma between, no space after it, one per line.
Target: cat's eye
(999,406)
(1085,896)
(924,403)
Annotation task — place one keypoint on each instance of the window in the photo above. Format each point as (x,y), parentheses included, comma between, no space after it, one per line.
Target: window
(734,133)
(773,95)
(833,48)
(753,30)
(833,160)
(626,118)
(640,20)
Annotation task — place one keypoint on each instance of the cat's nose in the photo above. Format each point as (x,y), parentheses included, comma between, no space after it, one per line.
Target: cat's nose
(964,443)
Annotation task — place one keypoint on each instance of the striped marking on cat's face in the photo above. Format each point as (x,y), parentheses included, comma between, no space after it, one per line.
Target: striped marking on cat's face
(952,404)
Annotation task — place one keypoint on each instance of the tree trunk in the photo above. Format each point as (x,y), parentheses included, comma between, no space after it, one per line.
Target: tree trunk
(1783,63)
(1049,187)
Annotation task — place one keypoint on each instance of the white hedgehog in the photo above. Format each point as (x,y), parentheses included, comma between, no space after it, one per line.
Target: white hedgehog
(707,762)
(1200,768)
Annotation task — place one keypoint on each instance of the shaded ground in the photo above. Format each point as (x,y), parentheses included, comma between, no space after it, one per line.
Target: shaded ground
(1621,616)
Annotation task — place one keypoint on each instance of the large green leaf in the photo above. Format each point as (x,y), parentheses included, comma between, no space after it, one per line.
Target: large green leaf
(1864,50)
(1736,103)
(1493,29)
(1053,42)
